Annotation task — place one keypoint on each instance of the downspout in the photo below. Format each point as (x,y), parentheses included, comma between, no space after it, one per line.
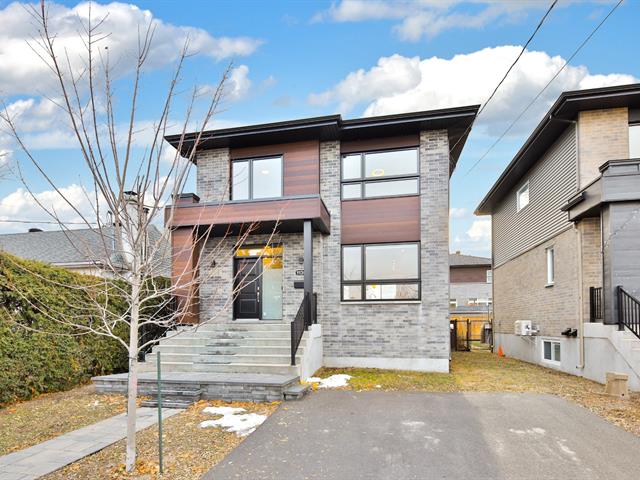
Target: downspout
(579,237)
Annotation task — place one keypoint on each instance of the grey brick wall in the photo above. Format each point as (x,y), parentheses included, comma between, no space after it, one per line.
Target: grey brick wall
(213,170)
(402,330)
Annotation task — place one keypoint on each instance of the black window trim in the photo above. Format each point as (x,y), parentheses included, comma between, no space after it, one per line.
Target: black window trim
(250,161)
(362,180)
(363,282)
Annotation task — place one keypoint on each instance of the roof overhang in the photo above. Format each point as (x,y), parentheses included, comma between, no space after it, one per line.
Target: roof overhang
(457,121)
(563,112)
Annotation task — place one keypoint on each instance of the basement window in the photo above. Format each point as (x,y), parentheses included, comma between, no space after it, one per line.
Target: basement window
(551,352)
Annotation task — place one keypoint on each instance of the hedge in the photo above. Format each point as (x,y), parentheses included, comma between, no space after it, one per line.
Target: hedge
(32,362)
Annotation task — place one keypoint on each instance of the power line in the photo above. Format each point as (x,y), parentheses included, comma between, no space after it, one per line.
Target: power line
(524,48)
(48,222)
(576,51)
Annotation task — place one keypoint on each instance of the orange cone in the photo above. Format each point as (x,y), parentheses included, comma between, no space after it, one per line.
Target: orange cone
(500,352)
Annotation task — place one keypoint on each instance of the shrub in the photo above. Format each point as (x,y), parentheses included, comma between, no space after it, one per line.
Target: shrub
(32,362)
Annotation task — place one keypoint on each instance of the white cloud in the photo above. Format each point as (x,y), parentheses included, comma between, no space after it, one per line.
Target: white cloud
(480,231)
(391,76)
(21,205)
(239,83)
(416,19)
(455,212)
(20,66)
(401,84)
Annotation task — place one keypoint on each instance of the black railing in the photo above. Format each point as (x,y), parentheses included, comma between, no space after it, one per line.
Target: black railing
(628,311)
(595,304)
(306,316)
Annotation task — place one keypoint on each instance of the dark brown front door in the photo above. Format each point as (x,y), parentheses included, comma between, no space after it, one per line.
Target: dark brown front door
(247,286)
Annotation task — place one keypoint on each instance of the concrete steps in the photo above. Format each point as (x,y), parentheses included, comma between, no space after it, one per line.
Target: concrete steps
(228,348)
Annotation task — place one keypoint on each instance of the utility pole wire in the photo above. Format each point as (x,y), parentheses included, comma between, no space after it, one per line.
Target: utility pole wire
(576,51)
(524,48)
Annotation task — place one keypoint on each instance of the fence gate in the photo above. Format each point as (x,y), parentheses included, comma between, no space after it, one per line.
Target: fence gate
(467,334)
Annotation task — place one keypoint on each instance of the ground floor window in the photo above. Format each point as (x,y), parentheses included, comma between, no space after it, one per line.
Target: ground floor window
(258,283)
(551,351)
(383,271)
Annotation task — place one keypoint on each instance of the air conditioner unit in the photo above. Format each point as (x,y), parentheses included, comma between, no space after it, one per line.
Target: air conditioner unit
(523,327)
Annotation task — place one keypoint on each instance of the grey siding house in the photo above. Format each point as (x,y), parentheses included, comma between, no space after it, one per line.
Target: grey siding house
(565,218)
(346,263)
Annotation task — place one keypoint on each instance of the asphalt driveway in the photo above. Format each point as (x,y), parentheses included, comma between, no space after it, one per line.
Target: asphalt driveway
(402,435)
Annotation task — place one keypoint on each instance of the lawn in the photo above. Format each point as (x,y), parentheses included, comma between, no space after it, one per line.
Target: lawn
(483,371)
(27,423)
(189,451)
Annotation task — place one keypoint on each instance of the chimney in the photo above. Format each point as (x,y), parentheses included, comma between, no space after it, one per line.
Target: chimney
(34,230)
(457,252)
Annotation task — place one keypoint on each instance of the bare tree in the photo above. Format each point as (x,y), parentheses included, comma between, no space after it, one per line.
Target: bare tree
(133,188)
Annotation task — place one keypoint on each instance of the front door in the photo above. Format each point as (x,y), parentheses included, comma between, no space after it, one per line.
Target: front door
(247,287)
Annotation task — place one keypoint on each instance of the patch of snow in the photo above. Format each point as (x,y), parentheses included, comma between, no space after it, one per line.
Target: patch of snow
(334,381)
(531,431)
(233,420)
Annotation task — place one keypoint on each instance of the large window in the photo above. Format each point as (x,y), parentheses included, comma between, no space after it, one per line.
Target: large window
(380,174)
(634,140)
(389,271)
(256,178)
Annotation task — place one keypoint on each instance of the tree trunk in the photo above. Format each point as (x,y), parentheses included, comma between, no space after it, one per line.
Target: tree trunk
(132,388)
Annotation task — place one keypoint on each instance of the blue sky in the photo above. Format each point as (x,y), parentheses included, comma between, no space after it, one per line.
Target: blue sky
(298,59)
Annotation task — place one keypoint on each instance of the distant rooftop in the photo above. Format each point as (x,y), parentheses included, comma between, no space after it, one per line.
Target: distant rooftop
(457,259)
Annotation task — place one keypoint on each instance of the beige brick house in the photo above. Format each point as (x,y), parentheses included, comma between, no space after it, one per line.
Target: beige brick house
(565,238)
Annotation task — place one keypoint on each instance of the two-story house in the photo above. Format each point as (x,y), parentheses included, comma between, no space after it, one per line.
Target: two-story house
(347,261)
(565,218)
(470,278)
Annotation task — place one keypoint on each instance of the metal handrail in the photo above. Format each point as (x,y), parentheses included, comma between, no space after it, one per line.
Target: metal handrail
(595,304)
(628,311)
(306,316)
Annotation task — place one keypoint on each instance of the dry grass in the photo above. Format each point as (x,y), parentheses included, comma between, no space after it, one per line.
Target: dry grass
(482,371)
(189,451)
(50,415)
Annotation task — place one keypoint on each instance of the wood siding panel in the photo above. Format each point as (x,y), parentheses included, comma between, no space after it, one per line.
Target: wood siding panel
(184,272)
(380,143)
(301,164)
(552,181)
(249,212)
(381,220)
(469,274)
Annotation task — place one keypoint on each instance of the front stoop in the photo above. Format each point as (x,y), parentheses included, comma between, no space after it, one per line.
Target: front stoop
(233,387)
(296,392)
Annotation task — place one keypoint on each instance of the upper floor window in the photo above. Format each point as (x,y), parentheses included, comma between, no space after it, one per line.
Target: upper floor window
(380,174)
(256,178)
(384,271)
(522,196)
(550,266)
(489,276)
(634,140)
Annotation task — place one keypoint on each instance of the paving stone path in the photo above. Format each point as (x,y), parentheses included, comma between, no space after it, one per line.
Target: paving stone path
(46,457)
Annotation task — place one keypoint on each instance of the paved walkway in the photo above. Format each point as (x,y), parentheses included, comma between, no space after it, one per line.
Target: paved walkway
(337,435)
(54,454)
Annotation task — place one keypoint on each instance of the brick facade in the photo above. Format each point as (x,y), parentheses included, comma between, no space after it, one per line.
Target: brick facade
(521,291)
(412,335)
(469,274)
(603,135)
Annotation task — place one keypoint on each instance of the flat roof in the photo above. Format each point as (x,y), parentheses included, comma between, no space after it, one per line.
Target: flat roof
(457,121)
(566,107)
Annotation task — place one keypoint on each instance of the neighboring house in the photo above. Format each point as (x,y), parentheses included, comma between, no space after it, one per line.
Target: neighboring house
(565,235)
(90,251)
(361,208)
(470,278)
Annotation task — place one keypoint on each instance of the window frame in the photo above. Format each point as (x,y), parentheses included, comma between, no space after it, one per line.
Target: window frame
(550,254)
(363,282)
(363,179)
(250,161)
(489,273)
(552,360)
(637,125)
(520,190)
